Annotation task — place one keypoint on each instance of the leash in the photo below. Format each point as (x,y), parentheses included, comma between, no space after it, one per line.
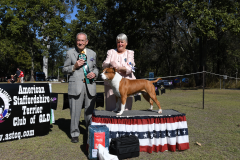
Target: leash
(85,67)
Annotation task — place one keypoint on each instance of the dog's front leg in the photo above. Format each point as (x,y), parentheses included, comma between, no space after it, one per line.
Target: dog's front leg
(118,102)
(123,103)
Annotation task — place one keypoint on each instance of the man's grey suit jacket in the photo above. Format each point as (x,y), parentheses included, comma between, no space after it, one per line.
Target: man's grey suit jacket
(76,77)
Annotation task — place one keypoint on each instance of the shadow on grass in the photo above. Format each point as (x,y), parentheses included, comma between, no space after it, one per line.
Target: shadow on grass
(183,105)
(83,131)
(64,125)
(190,89)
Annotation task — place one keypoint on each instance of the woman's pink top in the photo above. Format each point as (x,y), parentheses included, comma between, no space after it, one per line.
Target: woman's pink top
(122,60)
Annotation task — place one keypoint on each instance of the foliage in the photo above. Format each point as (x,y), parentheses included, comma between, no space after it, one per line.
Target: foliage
(169,37)
(23,22)
(56,59)
(24,59)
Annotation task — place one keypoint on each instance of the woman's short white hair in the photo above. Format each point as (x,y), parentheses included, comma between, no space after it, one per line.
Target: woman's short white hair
(122,36)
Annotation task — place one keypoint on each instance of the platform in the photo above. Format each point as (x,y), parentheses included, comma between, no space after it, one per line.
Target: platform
(156,132)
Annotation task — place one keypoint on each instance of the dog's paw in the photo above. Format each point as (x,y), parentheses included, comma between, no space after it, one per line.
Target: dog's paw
(160,111)
(120,113)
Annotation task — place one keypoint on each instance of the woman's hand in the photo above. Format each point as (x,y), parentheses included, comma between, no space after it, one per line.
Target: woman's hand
(114,65)
(122,69)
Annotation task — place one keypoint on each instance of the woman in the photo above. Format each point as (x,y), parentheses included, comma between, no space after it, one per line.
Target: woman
(11,80)
(123,60)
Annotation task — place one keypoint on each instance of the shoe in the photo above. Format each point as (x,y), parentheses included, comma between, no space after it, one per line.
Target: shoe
(74,140)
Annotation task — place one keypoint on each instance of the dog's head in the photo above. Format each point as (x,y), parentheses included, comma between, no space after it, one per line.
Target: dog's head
(108,73)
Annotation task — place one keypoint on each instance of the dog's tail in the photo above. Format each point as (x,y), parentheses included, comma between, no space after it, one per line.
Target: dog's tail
(156,80)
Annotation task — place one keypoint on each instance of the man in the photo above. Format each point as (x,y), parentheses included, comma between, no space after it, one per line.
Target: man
(17,74)
(80,63)
(21,76)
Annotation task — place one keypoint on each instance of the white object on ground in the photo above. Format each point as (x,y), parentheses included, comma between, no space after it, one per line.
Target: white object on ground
(103,154)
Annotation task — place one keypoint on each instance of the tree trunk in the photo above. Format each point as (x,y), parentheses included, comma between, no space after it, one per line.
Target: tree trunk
(32,68)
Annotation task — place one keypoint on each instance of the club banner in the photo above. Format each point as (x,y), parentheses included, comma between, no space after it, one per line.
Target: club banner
(54,100)
(24,110)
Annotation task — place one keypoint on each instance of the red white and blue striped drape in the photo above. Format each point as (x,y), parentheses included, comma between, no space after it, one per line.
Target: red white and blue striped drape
(155,133)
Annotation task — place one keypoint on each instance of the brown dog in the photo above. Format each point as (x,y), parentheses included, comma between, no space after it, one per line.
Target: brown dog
(123,88)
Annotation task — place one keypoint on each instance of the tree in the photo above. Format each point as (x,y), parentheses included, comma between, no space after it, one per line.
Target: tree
(24,22)
(56,58)
(169,37)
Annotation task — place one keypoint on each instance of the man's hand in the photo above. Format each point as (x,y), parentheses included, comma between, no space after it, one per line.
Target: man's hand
(79,63)
(91,75)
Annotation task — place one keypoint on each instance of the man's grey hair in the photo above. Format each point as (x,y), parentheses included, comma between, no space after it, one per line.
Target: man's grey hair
(122,36)
(82,33)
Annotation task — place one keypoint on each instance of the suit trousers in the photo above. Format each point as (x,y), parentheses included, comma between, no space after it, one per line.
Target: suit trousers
(76,103)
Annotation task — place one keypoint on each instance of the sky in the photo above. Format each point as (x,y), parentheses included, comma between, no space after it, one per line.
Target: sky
(72,15)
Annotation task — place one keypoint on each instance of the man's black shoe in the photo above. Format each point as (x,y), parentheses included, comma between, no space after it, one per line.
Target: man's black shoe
(74,140)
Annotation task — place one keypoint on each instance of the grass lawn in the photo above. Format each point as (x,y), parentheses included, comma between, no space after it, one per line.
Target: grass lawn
(216,128)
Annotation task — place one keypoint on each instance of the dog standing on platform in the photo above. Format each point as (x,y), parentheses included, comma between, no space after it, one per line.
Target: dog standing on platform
(123,88)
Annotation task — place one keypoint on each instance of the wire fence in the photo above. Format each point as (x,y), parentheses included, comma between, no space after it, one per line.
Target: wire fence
(221,80)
